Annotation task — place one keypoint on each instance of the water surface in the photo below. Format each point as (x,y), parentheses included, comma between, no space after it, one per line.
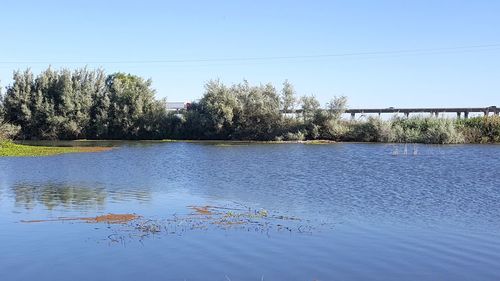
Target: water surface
(367,211)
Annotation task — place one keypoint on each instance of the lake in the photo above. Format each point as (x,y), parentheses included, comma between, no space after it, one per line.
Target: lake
(208,211)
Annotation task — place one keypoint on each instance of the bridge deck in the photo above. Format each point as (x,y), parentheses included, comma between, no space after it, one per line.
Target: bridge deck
(433,110)
(489,109)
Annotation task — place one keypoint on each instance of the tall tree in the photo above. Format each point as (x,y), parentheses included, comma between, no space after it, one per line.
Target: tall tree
(17,101)
(309,107)
(260,116)
(99,120)
(337,106)
(131,99)
(218,107)
(288,98)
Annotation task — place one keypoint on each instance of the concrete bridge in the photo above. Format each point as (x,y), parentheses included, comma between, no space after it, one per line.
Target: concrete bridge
(434,111)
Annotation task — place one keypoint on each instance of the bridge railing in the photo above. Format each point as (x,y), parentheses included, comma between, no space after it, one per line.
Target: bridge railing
(406,111)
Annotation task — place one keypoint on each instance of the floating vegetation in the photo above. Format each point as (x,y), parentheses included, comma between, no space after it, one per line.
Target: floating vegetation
(207,218)
(197,218)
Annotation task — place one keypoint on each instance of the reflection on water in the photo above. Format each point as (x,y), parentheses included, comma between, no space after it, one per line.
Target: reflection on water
(430,216)
(71,197)
(57,195)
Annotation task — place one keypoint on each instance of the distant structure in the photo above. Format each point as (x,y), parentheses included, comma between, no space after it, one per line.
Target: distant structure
(178,106)
(433,111)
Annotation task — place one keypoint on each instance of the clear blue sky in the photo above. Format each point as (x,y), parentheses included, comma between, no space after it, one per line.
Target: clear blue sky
(122,35)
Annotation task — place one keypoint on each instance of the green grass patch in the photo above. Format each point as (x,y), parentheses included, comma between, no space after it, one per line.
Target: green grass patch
(8,148)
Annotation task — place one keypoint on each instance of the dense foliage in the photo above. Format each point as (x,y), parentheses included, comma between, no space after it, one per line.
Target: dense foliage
(7,130)
(82,104)
(90,104)
(480,130)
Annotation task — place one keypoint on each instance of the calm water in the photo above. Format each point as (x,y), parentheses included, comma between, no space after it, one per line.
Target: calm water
(365,213)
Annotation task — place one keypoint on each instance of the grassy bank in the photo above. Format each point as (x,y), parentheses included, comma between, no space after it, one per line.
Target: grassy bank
(8,148)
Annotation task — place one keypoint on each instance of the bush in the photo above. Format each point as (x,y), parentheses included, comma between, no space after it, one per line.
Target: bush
(297,136)
(372,130)
(480,129)
(335,130)
(8,131)
(426,130)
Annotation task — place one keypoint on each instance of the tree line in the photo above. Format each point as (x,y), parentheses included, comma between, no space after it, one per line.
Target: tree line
(90,104)
(82,103)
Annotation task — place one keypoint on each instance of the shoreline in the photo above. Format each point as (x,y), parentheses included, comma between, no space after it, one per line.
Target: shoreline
(32,148)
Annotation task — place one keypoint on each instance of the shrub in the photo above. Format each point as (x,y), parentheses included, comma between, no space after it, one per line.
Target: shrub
(297,136)
(372,130)
(426,130)
(8,131)
(480,129)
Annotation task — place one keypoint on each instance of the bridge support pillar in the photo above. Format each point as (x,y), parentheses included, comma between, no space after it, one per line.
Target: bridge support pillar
(407,114)
(466,114)
(353,115)
(486,113)
(458,114)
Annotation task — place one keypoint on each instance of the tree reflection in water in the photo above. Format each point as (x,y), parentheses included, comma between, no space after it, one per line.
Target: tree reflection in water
(70,196)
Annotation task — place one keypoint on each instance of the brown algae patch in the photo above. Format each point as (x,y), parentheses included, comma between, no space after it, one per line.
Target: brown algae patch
(202,210)
(109,218)
(114,218)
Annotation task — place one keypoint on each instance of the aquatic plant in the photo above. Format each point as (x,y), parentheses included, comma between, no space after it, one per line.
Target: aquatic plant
(133,226)
(8,148)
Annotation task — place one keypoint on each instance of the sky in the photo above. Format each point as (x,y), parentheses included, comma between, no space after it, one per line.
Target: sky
(400,53)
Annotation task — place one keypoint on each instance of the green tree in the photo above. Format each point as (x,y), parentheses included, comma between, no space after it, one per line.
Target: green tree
(99,120)
(7,131)
(17,102)
(218,107)
(337,106)
(131,100)
(310,105)
(288,97)
(259,117)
